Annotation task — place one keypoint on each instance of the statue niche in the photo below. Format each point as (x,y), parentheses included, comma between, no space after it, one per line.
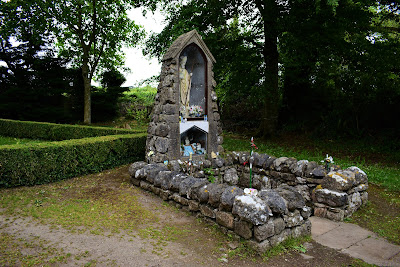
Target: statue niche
(185,122)
(192,82)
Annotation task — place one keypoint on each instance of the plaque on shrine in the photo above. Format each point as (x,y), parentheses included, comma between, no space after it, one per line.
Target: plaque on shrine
(185,121)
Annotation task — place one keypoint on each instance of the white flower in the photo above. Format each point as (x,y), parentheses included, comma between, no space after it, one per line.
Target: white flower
(328,159)
(250,191)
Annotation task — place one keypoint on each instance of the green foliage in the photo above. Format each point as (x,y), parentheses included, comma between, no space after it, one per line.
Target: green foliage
(137,103)
(338,61)
(54,132)
(112,78)
(100,38)
(210,175)
(53,161)
(385,173)
(37,163)
(141,116)
(105,99)
(287,245)
(37,77)
(140,95)
(90,33)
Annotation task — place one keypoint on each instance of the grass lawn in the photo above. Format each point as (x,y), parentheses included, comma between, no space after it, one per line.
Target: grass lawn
(381,168)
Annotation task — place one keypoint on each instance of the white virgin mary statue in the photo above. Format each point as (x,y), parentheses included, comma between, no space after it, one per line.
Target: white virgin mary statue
(185,84)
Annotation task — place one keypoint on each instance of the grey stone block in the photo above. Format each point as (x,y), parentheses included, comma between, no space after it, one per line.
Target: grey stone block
(228,197)
(136,166)
(243,228)
(262,232)
(207,211)
(225,219)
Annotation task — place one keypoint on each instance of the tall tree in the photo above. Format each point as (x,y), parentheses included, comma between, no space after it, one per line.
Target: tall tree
(92,33)
(260,25)
(307,58)
(32,80)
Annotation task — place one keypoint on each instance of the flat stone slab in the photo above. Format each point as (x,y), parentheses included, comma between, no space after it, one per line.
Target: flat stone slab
(343,237)
(320,226)
(375,250)
(355,241)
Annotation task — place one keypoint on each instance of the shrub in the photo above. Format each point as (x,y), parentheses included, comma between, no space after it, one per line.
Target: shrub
(54,132)
(52,161)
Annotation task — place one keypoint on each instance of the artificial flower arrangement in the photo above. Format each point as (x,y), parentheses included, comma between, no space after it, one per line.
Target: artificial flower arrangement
(328,161)
(250,191)
(195,110)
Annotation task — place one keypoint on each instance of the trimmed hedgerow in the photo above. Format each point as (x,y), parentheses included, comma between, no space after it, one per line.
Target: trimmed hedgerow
(54,132)
(52,161)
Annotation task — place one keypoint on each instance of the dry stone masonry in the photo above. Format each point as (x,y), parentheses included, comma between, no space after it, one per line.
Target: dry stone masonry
(185,104)
(265,219)
(288,193)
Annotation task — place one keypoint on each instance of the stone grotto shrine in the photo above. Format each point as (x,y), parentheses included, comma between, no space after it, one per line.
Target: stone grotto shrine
(185,120)
(257,197)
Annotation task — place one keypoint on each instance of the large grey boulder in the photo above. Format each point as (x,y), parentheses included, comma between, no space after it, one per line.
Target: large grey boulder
(279,163)
(153,170)
(214,194)
(339,180)
(166,181)
(185,186)
(309,168)
(231,177)
(274,201)
(268,164)
(161,176)
(252,209)
(228,197)
(359,175)
(200,193)
(293,218)
(330,197)
(319,172)
(176,180)
(294,200)
(260,159)
(193,191)
(136,166)
(299,168)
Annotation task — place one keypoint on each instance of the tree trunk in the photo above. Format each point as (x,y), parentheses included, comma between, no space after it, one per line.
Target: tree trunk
(87,102)
(269,120)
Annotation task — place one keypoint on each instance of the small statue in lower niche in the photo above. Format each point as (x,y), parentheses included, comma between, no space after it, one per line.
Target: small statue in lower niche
(187,148)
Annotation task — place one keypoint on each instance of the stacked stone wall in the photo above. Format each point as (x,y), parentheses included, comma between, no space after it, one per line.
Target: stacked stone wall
(334,193)
(265,219)
(288,193)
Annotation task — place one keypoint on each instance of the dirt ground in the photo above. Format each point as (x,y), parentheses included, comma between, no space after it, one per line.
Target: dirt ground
(201,245)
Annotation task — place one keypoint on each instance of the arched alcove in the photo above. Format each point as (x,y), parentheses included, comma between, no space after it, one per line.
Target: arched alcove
(193,83)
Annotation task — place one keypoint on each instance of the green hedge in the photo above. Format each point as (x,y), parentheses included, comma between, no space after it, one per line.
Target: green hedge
(52,161)
(54,132)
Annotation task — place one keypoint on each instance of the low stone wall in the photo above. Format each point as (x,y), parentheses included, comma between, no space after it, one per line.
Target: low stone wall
(289,191)
(334,194)
(265,219)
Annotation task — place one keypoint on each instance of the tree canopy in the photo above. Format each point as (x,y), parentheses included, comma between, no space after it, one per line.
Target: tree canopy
(324,66)
(89,33)
(92,33)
